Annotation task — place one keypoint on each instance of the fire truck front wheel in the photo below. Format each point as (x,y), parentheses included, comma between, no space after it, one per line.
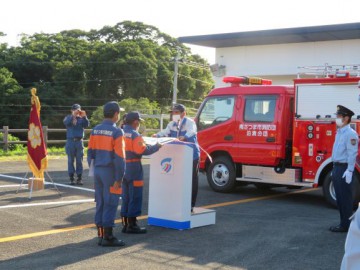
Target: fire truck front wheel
(221,175)
(328,190)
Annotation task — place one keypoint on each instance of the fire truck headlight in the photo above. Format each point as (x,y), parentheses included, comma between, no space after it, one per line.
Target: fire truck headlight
(310,135)
(310,128)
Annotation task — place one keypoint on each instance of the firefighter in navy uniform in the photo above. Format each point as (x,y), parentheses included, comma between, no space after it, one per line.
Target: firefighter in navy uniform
(184,129)
(107,152)
(75,124)
(344,154)
(132,185)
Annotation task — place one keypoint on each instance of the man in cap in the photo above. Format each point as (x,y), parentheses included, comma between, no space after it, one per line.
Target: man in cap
(344,154)
(184,129)
(75,124)
(132,185)
(107,153)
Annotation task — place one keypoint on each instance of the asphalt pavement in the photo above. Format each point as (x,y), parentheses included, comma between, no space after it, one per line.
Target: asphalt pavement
(255,229)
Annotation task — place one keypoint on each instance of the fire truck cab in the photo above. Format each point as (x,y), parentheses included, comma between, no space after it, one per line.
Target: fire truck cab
(272,135)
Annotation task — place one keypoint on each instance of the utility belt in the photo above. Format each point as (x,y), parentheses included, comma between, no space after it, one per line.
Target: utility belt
(75,139)
(340,163)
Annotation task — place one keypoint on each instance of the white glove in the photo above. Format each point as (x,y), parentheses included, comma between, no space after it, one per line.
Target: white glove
(348,176)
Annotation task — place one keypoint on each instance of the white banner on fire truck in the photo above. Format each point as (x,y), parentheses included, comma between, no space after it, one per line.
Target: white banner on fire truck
(257,130)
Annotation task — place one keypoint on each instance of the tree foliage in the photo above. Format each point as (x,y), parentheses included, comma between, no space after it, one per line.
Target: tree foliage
(142,105)
(129,61)
(11,99)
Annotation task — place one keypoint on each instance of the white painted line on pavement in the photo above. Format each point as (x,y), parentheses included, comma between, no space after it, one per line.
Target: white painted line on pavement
(49,183)
(46,203)
(5,186)
(70,186)
(13,177)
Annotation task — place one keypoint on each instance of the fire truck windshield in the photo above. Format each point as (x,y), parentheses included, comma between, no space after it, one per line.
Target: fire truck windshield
(216,110)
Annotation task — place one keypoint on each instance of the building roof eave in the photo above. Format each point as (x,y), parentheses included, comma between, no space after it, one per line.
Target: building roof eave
(277,36)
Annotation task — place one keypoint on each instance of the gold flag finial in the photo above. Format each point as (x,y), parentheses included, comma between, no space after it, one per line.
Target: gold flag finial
(35,100)
(33,91)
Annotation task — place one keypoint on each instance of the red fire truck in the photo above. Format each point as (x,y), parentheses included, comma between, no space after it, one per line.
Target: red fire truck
(271,135)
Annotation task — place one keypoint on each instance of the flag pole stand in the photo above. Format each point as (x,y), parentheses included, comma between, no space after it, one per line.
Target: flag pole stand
(22,181)
(52,182)
(32,179)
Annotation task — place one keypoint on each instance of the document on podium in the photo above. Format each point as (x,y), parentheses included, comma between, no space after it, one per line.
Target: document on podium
(161,140)
(91,168)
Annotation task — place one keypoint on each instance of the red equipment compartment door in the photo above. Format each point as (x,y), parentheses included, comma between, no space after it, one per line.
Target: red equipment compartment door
(313,141)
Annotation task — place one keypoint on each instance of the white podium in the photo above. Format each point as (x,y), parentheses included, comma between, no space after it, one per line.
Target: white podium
(170,190)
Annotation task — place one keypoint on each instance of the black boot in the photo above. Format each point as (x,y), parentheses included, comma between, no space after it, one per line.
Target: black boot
(72,180)
(79,181)
(133,227)
(100,233)
(125,224)
(109,240)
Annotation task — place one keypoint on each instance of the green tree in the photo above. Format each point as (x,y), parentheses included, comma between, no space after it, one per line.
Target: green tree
(146,108)
(129,60)
(12,101)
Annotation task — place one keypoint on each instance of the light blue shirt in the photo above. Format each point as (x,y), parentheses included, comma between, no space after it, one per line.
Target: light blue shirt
(345,147)
(187,128)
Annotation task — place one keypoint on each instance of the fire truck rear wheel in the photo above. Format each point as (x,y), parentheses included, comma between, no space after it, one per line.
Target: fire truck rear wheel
(221,175)
(329,191)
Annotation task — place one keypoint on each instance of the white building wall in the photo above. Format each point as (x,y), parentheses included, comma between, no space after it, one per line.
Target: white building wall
(280,62)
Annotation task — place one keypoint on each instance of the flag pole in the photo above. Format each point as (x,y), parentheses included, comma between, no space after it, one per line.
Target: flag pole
(37,153)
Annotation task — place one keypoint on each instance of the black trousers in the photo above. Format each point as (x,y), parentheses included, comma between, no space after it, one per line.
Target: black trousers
(195,182)
(344,194)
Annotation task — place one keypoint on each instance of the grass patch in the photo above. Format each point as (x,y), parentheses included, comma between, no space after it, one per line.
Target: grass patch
(20,153)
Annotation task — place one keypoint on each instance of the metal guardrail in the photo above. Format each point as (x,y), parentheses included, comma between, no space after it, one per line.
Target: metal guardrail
(7,131)
(46,130)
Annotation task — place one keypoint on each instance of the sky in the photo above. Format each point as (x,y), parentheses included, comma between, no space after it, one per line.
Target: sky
(175,18)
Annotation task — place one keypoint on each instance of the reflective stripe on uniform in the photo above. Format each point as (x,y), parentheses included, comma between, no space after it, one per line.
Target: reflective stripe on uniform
(101,142)
(133,160)
(138,183)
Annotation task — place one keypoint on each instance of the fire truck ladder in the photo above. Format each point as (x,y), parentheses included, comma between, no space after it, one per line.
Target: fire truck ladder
(327,70)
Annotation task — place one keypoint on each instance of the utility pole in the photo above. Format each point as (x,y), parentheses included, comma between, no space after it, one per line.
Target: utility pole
(176,68)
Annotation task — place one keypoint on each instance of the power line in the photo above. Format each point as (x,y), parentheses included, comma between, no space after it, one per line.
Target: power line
(196,65)
(195,79)
(85,62)
(191,101)
(88,81)
(68,108)
(42,105)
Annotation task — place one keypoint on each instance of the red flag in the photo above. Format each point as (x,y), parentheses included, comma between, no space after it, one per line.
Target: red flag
(36,157)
